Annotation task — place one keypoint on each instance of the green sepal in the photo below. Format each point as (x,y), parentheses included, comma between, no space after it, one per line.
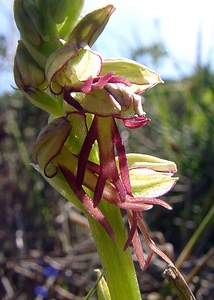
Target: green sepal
(141,77)
(150,176)
(114,100)
(149,183)
(137,160)
(90,27)
(68,66)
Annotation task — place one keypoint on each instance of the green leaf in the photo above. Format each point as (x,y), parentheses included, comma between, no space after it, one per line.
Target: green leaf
(102,288)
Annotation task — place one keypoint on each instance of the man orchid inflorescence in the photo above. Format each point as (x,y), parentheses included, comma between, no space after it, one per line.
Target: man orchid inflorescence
(80,152)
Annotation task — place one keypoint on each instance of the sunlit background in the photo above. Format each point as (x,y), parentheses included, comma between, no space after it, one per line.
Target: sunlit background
(183,29)
(174,38)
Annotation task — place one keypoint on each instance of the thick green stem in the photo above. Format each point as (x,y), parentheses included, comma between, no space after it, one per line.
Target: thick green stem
(117,264)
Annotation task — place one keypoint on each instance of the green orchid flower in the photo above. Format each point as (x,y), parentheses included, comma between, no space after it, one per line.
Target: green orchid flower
(80,152)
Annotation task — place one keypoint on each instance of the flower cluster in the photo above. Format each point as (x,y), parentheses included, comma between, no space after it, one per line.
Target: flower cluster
(80,152)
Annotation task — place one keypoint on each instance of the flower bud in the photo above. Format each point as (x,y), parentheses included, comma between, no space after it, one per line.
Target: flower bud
(37,28)
(49,144)
(27,28)
(40,14)
(26,71)
(90,27)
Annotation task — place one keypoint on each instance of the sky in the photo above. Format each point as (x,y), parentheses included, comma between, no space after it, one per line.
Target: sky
(186,29)
(181,24)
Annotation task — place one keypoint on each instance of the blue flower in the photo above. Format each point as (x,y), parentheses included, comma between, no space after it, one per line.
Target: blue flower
(40,290)
(50,271)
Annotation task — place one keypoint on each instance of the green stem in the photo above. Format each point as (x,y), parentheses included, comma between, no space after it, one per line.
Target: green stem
(117,264)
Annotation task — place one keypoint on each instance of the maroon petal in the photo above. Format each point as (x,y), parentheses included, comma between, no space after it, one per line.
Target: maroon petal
(123,164)
(99,187)
(101,81)
(108,167)
(120,79)
(138,207)
(150,242)
(87,201)
(136,122)
(137,246)
(87,85)
(144,200)
(84,153)
(132,218)
(148,260)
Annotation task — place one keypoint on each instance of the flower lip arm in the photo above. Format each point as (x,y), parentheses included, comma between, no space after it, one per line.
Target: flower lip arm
(136,122)
(87,202)
(104,132)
